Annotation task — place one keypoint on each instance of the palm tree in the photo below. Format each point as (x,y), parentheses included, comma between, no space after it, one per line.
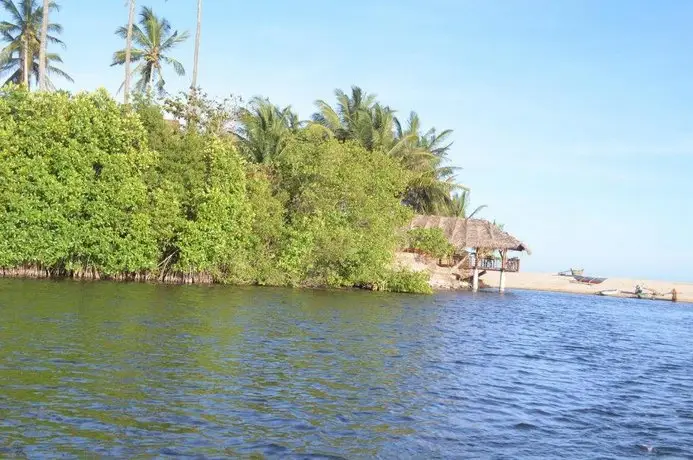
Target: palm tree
(460,205)
(421,147)
(344,121)
(196,58)
(128,51)
(44,44)
(425,155)
(361,118)
(429,189)
(265,129)
(154,40)
(20,58)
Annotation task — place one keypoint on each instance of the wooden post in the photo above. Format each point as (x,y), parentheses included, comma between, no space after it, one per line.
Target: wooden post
(504,259)
(475,278)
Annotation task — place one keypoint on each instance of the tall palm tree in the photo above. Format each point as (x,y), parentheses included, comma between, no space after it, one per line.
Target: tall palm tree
(265,128)
(196,58)
(154,40)
(43,44)
(128,51)
(20,57)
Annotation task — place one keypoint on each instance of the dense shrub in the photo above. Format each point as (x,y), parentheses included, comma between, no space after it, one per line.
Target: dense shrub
(72,175)
(342,209)
(90,187)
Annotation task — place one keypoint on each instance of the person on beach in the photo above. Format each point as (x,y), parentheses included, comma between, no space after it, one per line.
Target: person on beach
(674,295)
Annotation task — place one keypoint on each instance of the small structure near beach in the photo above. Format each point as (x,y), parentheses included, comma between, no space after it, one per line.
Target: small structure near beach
(475,242)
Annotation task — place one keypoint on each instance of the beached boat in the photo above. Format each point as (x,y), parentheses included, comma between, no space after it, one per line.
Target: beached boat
(645,294)
(588,279)
(571,272)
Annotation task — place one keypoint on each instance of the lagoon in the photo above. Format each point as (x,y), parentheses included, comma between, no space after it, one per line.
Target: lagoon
(132,370)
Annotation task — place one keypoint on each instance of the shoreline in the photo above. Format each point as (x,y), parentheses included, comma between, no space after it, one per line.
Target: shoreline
(550,282)
(541,282)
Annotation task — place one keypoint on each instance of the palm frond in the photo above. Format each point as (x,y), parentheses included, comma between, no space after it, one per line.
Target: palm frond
(11,8)
(174,40)
(327,117)
(119,56)
(52,70)
(55,28)
(177,66)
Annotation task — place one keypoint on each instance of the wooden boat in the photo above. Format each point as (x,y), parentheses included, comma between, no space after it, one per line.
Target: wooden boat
(641,292)
(588,279)
(571,272)
(644,295)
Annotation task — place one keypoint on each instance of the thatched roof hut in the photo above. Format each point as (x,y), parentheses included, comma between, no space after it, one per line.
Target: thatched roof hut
(471,233)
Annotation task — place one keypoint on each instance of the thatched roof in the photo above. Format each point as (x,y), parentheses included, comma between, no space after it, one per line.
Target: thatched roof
(471,233)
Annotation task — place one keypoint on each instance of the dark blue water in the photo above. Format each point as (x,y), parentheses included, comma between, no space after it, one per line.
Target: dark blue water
(151,371)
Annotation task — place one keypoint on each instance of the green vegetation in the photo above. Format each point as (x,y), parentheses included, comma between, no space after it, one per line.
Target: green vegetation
(94,190)
(404,281)
(191,189)
(72,171)
(430,241)
(359,117)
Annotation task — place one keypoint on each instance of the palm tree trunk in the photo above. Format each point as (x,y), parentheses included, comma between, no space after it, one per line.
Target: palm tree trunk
(193,86)
(150,84)
(43,45)
(25,62)
(128,51)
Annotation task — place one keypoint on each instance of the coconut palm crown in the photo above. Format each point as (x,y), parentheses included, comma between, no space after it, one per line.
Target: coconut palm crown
(21,34)
(153,40)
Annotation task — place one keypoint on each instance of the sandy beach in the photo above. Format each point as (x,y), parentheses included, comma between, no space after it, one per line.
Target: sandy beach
(553,282)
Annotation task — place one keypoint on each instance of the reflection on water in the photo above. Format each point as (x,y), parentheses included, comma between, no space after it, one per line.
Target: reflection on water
(138,370)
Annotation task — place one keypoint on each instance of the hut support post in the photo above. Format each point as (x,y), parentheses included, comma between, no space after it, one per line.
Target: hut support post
(475,278)
(504,260)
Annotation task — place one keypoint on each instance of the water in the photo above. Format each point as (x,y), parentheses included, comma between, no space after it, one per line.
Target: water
(211,372)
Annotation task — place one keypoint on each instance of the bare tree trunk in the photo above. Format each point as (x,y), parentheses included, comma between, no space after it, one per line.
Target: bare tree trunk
(43,45)
(128,51)
(193,86)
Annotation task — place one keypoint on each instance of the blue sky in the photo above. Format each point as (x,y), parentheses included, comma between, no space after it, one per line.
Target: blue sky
(573,119)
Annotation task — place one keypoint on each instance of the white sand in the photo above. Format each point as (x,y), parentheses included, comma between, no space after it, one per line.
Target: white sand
(552,282)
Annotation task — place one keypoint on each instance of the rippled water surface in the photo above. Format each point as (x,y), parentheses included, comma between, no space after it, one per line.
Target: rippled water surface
(133,370)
